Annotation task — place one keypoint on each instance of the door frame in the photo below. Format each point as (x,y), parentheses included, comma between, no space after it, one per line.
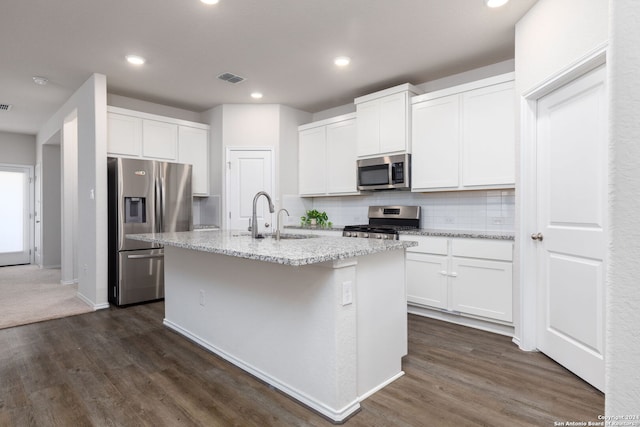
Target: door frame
(527,249)
(227,161)
(31,197)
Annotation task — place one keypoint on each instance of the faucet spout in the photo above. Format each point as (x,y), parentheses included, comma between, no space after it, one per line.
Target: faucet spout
(254,215)
(278,227)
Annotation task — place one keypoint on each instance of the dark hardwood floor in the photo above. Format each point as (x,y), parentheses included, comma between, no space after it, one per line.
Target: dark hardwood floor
(121,367)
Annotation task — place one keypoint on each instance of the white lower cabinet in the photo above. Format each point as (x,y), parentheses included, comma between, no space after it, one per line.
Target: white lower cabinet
(471,277)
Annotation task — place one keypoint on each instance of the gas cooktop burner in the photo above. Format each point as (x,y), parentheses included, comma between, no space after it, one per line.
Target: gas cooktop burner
(385,222)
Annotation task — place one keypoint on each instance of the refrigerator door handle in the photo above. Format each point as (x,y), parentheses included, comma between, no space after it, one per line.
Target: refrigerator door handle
(145,256)
(159,205)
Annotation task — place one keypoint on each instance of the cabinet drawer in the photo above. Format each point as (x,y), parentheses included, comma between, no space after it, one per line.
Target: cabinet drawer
(483,249)
(427,245)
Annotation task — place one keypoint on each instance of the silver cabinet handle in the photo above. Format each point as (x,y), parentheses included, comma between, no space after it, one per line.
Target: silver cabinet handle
(537,237)
(144,256)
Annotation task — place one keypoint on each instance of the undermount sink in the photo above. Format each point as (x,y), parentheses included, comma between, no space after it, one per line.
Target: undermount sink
(283,236)
(292,236)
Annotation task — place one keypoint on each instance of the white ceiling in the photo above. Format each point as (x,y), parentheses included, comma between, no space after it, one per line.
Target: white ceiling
(284,48)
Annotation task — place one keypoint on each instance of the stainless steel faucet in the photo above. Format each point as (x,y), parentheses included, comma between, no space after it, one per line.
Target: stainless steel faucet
(254,216)
(278,227)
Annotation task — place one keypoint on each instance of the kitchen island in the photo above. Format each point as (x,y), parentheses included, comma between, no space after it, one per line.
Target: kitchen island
(323,319)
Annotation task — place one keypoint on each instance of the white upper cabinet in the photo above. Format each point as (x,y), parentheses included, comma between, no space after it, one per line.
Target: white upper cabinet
(383,121)
(312,161)
(488,129)
(436,143)
(327,157)
(193,148)
(124,135)
(341,158)
(464,137)
(148,136)
(159,140)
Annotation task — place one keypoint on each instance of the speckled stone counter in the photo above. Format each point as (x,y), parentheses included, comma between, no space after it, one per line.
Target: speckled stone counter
(469,234)
(497,235)
(293,251)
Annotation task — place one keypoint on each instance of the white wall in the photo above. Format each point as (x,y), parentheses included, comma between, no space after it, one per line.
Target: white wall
(152,108)
(554,34)
(90,102)
(623,298)
(51,202)
(17,148)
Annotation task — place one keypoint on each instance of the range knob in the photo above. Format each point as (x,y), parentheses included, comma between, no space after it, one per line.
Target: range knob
(365,234)
(380,236)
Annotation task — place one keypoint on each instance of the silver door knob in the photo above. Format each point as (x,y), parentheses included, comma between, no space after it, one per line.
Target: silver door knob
(537,236)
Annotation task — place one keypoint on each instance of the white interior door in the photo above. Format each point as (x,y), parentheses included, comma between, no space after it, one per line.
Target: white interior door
(14,215)
(248,172)
(572,219)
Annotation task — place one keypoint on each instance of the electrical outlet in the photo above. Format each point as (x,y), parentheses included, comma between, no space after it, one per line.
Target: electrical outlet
(202,300)
(449,220)
(497,221)
(347,293)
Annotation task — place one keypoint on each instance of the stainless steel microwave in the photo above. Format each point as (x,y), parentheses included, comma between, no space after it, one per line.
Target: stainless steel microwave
(385,173)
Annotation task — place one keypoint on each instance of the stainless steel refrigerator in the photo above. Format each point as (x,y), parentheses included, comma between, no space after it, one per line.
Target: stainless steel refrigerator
(145,196)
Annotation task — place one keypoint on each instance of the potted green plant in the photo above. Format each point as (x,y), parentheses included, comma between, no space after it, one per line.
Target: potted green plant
(315,218)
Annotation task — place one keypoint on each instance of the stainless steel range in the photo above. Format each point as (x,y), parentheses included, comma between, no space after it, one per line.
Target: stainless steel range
(385,222)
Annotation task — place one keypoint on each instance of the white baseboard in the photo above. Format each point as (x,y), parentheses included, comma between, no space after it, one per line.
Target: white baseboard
(471,322)
(336,415)
(68,282)
(91,303)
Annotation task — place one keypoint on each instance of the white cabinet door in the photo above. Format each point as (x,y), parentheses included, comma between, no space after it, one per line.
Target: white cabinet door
(124,135)
(482,288)
(393,123)
(312,179)
(368,125)
(488,128)
(341,157)
(427,279)
(159,140)
(193,148)
(436,141)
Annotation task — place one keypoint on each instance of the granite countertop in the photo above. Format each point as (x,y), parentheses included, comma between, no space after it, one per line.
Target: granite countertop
(296,251)
(497,235)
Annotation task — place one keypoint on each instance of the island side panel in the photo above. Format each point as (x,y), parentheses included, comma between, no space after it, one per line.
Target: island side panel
(381,320)
(286,325)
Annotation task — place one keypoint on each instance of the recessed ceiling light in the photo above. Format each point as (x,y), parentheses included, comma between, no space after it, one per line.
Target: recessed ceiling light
(495,3)
(342,61)
(210,1)
(256,95)
(136,60)
(40,80)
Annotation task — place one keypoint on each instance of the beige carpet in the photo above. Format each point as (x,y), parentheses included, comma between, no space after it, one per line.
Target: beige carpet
(29,294)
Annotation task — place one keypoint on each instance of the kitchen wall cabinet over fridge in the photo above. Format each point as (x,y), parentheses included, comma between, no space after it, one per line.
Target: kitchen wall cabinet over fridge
(327,157)
(464,137)
(384,121)
(148,136)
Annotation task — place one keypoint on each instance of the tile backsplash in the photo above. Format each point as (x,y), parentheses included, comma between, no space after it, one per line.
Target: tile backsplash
(492,210)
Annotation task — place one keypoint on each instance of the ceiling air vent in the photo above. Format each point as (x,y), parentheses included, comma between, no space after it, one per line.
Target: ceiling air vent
(6,107)
(231,78)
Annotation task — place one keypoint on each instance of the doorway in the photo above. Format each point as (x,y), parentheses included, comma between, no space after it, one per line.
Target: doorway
(564,220)
(248,171)
(16,187)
